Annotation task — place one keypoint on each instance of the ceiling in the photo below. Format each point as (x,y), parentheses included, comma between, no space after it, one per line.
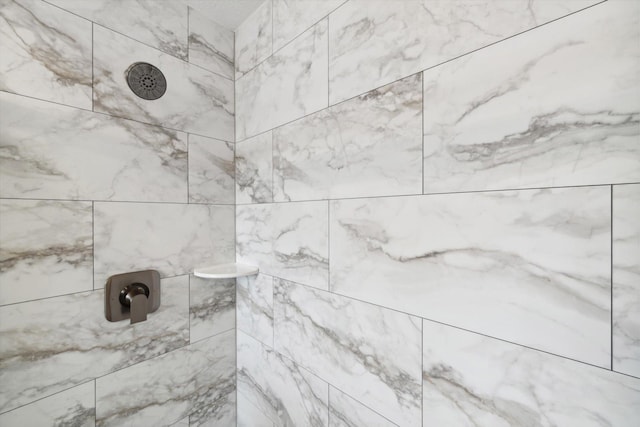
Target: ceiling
(228,13)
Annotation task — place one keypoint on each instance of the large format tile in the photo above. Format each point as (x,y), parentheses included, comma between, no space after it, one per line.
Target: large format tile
(530,266)
(46,249)
(173,239)
(476,381)
(50,345)
(370,352)
(73,407)
(54,152)
(198,380)
(163,27)
(196,101)
(345,411)
(46,53)
(374,42)
(253,39)
(292,17)
(283,392)
(254,169)
(211,171)
(249,415)
(212,307)
(290,84)
(255,307)
(368,146)
(210,45)
(528,113)
(285,240)
(626,279)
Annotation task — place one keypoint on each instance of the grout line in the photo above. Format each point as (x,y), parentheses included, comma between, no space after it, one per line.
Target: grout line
(93,245)
(611,273)
(273,167)
(422,131)
(328,60)
(95,403)
(329,246)
(189,311)
(328,403)
(49,395)
(188,31)
(49,101)
(93,78)
(188,169)
(422,370)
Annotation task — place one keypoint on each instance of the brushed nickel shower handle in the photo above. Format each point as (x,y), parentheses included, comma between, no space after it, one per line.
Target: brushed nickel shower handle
(135,296)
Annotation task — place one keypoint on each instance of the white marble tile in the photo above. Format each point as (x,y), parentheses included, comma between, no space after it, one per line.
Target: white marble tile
(163,27)
(368,146)
(210,45)
(46,53)
(197,380)
(375,42)
(251,416)
(253,39)
(369,352)
(196,101)
(290,84)
(529,266)
(473,380)
(182,423)
(254,169)
(212,306)
(55,152)
(46,249)
(526,112)
(50,345)
(345,411)
(255,307)
(282,391)
(211,171)
(626,279)
(293,17)
(285,240)
(173,239)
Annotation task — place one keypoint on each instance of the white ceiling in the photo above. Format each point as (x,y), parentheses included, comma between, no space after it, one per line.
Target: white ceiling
(228,13)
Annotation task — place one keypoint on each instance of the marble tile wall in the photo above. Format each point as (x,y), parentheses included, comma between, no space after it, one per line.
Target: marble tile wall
(95,182)
(451,237)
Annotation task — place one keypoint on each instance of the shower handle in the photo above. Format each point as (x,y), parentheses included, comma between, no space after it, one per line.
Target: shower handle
(135,296)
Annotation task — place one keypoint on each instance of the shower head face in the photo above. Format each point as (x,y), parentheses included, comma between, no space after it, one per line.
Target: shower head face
(146,81)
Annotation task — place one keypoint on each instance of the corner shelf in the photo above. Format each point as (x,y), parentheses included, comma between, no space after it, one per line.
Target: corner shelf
(226,271)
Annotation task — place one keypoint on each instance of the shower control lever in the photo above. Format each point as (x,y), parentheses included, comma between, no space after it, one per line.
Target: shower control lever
(132,296)
(135,297)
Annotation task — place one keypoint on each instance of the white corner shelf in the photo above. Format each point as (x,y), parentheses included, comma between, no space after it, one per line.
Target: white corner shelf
(226,271)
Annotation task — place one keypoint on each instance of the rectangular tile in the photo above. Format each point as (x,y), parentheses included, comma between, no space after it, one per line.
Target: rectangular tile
(56,152)
(283,392)
(253,39)
(72,407)
(354,346)
(46,53)
(210,45)
(291,17)
(250,416)
(173,239)
(254,169)
(41,354)
(255,307)
(473,380)
(285,240)
(373,43)
(518,114)
(196,100)
(164,28)
(198,380)
(212,307)
(345,411)
(46,249)
(290,84)
(530,266)
(368,146)
(211,171)
(626,279)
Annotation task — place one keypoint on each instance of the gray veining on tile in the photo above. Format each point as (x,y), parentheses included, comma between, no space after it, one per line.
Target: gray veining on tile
(375,42)
(46,53)
(285,240)
(253,39)
(161,26)
(282,391)
(370,352)
(212,306)
(290,84)
(210,45)
(529,266)
(196,101)
(626,279)
(73,407)
(51,151)
(292,17)
(345,411)
(50,345)
(197,380)
(251,416)
(173,239)
(368,146)
(46,249)
(182,423)
(255,307)
(254,169)
(471,380)
(211,171)
(527,112)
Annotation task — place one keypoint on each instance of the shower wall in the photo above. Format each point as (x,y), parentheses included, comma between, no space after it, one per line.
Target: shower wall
(443,200)
(95,181)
